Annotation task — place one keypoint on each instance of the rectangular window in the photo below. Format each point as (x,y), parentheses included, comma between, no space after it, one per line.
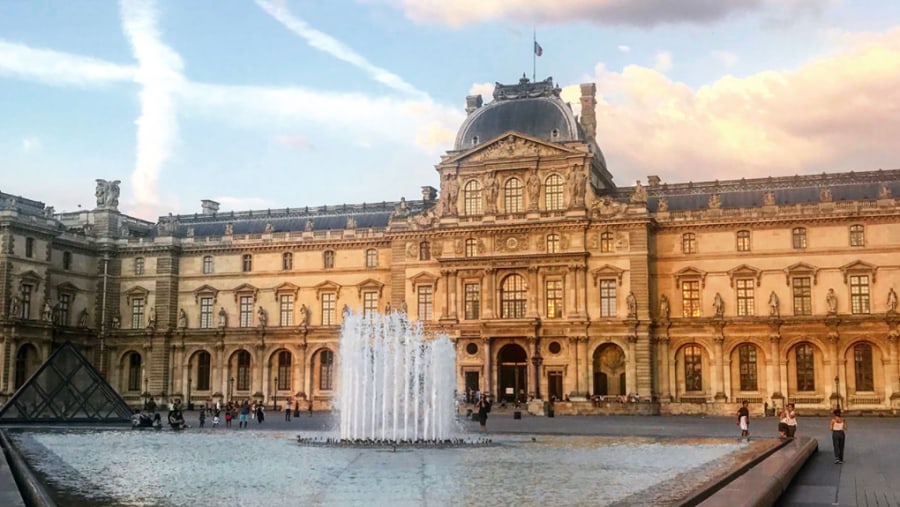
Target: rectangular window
(246,311)
(859,294)
(67,261)
(690,298)
(607,298)
(26,301)
(247,263)
(806,368)
(748,367)
(139,266)
(606,242)
(326,370)
(553,292)
(799,238)
(473,301)
(371,258)
(370,304)
(328,306)
(802,291)
(745,299)
(206,312)
(857,235)
(286,310)
(425,301)
(62,311)
(137,313)
(689,243)
(207,265)
(29,247)
(743,241)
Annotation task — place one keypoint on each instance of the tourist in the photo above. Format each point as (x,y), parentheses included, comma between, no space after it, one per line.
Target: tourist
(483,405)
(838,426)
(228,418)
(260,416)
(202,417)
(789,419)
(216,420)
(287,410)
(253,410)
(245,415)
(310,407)
(743,420)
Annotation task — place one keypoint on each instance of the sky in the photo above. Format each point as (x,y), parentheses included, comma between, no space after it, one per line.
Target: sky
(286,103)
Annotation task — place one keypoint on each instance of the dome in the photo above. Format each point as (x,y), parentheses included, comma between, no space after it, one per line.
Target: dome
(534,109)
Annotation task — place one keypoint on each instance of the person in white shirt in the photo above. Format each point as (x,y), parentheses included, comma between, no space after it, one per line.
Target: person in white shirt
(838,428)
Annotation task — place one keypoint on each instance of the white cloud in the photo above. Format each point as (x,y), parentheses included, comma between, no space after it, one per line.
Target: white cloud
(726,58)
(486,90)
(160,75)
(30,144)
(662,61)
(60,69)
(624,49)
(334,47)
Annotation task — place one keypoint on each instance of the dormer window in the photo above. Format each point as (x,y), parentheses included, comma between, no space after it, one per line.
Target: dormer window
(554,133)
(474,140)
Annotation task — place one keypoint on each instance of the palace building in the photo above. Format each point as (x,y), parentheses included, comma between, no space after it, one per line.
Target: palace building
(552,280)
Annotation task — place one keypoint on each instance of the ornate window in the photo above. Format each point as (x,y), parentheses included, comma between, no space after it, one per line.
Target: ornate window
(512,195)
(857,235)
(690,298)
(371,258)
(203,363)
(859,294)
(329,302)
(806,368)
(326,365)
(138,265)
(284,371)
(472,200)
(243,371)
(743,241)
(553,294)
(471,247)
(246,263)
(553,192)
(328,259)
(286,310)
(801,287)
(693,368)
(745,297)
(62,310)
(137,313)
(424,251)
(246,311)
(206,312)
(26,301)
(862,366)
(67,261)
(29,247)
(472,293)
(689,243)
(553,243)
(426,301)
(798,236)
(606,242)
(134,371)
(608,298)
(748,367)
(207,264)
(287,261)
(513,297)
(370,303)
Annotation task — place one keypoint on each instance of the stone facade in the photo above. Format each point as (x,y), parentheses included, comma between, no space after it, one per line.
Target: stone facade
(552,282)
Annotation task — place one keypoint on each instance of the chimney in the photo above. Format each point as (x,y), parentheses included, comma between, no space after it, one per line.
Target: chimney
(473,102)
(209,207)
(429,193)
(588,110)
(653,180)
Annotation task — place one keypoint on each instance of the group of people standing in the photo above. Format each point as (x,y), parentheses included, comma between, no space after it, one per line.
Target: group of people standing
(787,427)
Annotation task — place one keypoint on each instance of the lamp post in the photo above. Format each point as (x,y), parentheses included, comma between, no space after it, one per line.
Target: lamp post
(275,395)
(230,387)
(837,391)
(189,407)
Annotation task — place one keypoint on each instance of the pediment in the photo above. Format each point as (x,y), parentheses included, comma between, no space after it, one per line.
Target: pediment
(857,267)
(135,292)
(327,286)
(245,289)
(67,288)
(745,271)
(370,285)
(510,145)
(286,288)
(800,269)
(690,273)
(607,271)
(205,290)
(423,278)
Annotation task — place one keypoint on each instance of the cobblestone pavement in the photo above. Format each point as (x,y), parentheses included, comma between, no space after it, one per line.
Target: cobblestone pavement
(870,475)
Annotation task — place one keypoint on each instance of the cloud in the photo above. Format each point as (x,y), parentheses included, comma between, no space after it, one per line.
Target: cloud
(643,13)
(243,203)
(334,47)
(296,141)
(726,58)
(662,61)
(798,121)
(486,90)
(624,49)
(59,69)
(31,143)
(159,73)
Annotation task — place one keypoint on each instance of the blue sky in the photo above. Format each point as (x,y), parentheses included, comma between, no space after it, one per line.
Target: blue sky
(273,103)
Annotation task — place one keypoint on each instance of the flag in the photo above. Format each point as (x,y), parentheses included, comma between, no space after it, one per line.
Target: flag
(538,50)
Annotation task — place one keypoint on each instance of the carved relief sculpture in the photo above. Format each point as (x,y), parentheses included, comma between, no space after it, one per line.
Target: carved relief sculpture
(831,301)
(578,187)
(107,194)
(892,301)
(490,193)
(774,305)
(115,323)
(884,192)
(182,319)
(451,189)
(631,303)
(719,305)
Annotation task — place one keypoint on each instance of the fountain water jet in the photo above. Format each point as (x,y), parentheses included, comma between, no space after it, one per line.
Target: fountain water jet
(395,385)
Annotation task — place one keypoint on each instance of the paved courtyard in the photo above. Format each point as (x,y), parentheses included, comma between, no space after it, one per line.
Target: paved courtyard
(870,475)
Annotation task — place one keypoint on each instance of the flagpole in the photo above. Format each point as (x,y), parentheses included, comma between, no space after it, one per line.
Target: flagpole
(534,55)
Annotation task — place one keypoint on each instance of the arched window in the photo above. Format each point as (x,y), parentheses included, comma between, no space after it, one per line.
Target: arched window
(134,372)
(138,265)
(284,370)
(748,370)
(606,242)
(207,264)
(328,259)
(798,236)
(688,243)
(247,263)
(553,243)
(553,192)
(513,297)
(472,200)
(203,362)
(512,195)
(693,368)
(862,366)
(326,365)
(243,371)
(424,251)
(743,241)
(287,261)
(806,368)
(371,258)
(471,247)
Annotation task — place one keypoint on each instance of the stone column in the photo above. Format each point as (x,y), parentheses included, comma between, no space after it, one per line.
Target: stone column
(718,369)
(488,361)
(534,292)
(774,367)
(570,284)
(299,383)
(893,369)
(453,284)
(445,306)
(665,392)
(489,293)
(631,365)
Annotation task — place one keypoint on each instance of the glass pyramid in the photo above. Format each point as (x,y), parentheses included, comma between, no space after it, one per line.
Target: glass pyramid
(66,389)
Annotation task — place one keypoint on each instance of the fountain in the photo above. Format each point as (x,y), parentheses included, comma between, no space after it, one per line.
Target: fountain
(396,386)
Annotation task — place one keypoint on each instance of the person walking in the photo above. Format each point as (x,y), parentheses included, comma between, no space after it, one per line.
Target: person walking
(483,406)
(838,428)
(743,420)
(310,407)
(287,410)
(789,418)
(245,415)
(260,415)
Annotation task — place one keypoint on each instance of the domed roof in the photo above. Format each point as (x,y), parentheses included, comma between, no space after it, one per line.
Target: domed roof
(534,109)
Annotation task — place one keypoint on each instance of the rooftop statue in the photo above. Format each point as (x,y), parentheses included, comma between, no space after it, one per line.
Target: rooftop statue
(107,194)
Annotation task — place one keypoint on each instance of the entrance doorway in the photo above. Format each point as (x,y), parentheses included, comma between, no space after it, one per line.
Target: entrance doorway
(27,362)
(609,370)
(555,385)
(471,385)
(512,374)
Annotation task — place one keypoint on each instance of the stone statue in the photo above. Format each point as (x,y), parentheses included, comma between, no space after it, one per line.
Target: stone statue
(262,317)
(663,307)
(269,228)
(401,209)
(309,225)
(49,211)
(47,313)
(831,301)
(719,305)
(884,192)
(774,303)
(15,311)
(892,301)
(578,188)
(151,318)
(403,307)
(182,319)
(351,223)
(83,318)
(387,308)
(715,202)
(345,310)
(534,190)
(115,323)
(662,204)
(107,194)
(490,193)
(451,189)
(304,316)
(825,195)
(631,302)
(769,199)
(640,193)
(223,317)
(229,229)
